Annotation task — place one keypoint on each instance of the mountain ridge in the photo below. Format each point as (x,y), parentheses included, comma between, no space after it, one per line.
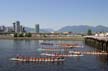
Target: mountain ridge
(74,28)
(83,28)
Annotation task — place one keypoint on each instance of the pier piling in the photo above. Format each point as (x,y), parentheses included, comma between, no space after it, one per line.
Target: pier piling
(101,43)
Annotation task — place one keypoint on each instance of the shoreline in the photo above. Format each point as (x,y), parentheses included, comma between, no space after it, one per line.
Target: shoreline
(75,38)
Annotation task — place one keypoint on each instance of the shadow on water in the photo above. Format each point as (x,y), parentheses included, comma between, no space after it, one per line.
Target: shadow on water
(103,59)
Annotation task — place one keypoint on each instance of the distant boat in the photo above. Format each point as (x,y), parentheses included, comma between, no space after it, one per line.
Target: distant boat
(66,45)
(51,49)
(46,43)
(63,55)
(89,52)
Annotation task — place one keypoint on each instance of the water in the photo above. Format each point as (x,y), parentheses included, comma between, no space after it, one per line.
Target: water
(11,48)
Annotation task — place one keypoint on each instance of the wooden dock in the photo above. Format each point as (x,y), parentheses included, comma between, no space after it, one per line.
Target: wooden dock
(101,43)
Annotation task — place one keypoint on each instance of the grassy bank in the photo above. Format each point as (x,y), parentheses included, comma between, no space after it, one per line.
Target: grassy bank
(43,38)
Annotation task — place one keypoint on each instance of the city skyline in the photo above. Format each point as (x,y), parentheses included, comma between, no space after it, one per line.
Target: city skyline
(54,13)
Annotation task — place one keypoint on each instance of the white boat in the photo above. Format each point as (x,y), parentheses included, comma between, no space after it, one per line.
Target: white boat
(63,55)
(89,52)
(52,49)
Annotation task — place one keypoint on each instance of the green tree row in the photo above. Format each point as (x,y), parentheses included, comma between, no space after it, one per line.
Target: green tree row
(22,35)
(89,32)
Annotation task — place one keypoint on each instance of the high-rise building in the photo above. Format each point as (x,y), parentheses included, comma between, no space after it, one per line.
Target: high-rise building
(17,26)
(2,28)
(14,26)
(9,29)
(21,28)
(37,28)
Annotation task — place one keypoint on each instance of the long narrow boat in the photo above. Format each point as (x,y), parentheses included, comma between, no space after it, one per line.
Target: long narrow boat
(63,55)
(46,43)
(51,49)
(29,59)
(65,45)
(90,52)
(69,45)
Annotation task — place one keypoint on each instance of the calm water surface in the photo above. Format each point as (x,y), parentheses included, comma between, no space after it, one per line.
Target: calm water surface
(11,48)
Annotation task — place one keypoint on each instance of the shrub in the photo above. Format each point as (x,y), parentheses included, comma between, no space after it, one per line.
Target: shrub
(28,35)
(15,35)
(21,35)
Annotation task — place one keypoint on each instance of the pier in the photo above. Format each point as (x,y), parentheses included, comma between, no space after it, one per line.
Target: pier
(100,43)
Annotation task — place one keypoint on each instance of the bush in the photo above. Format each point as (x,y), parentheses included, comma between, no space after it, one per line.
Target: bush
(21,35)
(15,35)
(28,35)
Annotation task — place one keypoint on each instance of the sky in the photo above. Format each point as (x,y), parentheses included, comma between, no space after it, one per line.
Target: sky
(54,13)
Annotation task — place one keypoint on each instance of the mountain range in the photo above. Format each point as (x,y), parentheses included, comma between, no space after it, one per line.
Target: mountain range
(84,28)
(77,29)
(41,30)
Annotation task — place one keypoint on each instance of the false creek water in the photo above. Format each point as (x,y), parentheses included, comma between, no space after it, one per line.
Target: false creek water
(11,48)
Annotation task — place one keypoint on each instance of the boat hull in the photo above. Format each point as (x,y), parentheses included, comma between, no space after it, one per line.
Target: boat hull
(61,55)
(38,60)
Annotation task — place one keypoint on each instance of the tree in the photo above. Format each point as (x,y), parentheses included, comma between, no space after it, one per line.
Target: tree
(21,35)
(28,35)
(15,35)
(89,32)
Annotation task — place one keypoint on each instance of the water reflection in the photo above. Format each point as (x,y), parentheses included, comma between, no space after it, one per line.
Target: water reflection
(103,58)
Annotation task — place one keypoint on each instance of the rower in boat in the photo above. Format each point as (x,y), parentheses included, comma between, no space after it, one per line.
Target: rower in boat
(32,59)
(47,43)
(64,55)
